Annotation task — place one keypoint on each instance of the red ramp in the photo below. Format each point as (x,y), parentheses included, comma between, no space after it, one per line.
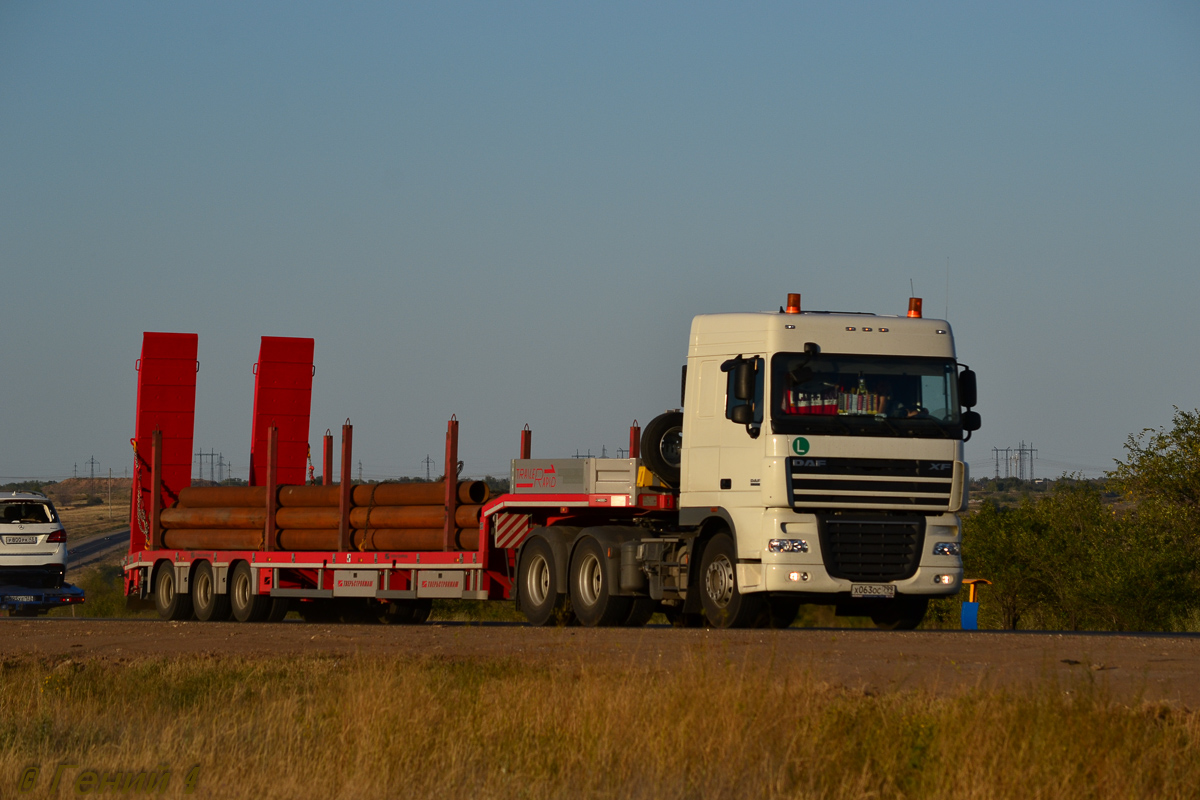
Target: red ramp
(282,399)
(166,401)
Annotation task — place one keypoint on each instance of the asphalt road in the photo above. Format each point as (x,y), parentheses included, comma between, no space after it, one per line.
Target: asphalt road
(95,549)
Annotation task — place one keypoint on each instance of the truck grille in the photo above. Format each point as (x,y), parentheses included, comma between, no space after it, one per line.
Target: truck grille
(870,483)
(871,547)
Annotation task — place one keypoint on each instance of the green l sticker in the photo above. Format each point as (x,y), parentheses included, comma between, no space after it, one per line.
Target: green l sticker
(800,446)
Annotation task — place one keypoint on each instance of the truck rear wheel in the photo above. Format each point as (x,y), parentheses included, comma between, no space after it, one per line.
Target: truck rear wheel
(247,606)
(724,605)
(537,581)
(591,590)
(210,606)
(662,446)
(171,604)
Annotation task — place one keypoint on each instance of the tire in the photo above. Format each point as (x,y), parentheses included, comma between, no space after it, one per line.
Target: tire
(247,606)
(591,590)
(724,605)
(640,612)
(210,606)
(537,579)
(901,614)
(782,612)
(662,442)
(280,606)
(171,605)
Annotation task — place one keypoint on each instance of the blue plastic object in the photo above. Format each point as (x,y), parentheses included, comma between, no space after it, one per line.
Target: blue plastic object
(970,616)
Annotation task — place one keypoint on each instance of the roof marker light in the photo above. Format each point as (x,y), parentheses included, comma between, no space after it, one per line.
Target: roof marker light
(914,307)
(849,327)
(883,330)
(793,303)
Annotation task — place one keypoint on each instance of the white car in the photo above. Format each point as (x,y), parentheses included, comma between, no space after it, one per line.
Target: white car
(33,544)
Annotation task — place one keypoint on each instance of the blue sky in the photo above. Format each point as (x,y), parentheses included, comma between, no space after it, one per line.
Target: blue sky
(510,212)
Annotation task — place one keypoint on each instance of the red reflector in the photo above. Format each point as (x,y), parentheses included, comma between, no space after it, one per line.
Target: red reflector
(58,536)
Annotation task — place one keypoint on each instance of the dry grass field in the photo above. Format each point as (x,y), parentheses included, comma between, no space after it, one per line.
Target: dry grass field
(334,726)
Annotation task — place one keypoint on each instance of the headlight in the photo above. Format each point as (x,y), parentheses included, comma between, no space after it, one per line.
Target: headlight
(947,549)
(787,546)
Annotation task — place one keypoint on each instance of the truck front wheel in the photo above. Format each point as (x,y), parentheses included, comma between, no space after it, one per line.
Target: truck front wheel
(170,603)
(724,605)
(591,590)
(537,579)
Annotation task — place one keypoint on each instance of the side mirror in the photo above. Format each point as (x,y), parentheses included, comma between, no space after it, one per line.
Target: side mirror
(742,415)
(971,421)
(743,381)
(968,395)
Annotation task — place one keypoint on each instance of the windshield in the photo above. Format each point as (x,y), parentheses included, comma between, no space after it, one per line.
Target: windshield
(864,395)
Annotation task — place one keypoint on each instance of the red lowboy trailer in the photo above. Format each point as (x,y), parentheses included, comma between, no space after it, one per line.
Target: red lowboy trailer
(352,580)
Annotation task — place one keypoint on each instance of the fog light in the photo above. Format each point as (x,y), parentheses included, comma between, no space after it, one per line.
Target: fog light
(946,579)
(947,549)
(787,546)
(797,576)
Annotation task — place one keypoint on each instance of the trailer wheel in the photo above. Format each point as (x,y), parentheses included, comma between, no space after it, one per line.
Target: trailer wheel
(640,612)
(662,446)
(210,606)
(590,588)
(279,609)
(537,578)
(724,605)
(901,614)
(247,606)
(171,604)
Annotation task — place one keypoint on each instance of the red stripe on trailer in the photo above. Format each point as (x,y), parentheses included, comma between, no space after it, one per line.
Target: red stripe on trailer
(166,401)
(282,399)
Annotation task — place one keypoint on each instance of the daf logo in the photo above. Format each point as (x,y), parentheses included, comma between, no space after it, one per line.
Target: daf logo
(810,462)
(939,466)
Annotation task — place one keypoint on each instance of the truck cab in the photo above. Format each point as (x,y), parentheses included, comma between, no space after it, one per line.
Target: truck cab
(828,447)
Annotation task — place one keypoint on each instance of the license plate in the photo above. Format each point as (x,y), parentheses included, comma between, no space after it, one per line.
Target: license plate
(20,539)
(21,598)
(885,590)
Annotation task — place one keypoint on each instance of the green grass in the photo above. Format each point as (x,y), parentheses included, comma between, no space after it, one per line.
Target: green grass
(322,726)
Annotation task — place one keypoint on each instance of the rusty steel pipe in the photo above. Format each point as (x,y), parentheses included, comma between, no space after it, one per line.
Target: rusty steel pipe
(213,518)
(308,496)
(418,494)
(299,539)
(222,497)
(412,517)
(375,539)
(208,539)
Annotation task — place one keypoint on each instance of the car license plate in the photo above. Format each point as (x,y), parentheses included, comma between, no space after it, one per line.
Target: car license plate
(20,539)
(886,590)
(21,598)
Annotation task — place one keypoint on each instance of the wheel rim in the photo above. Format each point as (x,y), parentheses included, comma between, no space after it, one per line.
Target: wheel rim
(241,591)
(591,580)
(537,580)
(670,446)
(718,581)
(202,590)
(166,588)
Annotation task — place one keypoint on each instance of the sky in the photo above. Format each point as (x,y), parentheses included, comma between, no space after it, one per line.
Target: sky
(511,211)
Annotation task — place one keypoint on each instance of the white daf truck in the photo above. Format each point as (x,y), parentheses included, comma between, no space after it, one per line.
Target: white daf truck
(818,459)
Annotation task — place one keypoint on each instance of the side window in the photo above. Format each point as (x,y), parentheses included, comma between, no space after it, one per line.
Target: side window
(737,371)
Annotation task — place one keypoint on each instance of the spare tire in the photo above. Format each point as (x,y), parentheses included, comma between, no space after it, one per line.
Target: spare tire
(662,446)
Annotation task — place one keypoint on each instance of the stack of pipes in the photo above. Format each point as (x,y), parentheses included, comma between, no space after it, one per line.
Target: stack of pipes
(383,516)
